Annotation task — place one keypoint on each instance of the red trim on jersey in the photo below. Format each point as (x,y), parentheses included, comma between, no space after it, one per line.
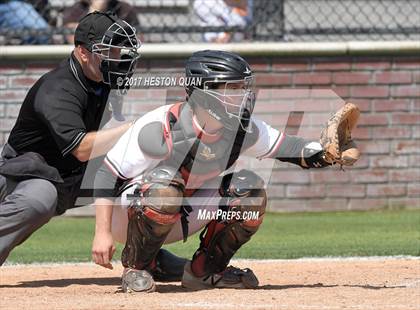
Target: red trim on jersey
(167,136)
(275,147)
(175,108)
(112,167)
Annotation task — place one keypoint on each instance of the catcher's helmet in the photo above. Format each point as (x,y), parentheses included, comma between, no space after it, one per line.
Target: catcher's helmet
(225,91)
(114,40)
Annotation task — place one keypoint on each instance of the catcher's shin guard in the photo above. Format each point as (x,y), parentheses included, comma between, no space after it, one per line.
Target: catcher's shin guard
(242,192)
(151,216)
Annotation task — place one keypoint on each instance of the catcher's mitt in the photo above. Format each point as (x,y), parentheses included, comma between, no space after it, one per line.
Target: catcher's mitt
(336,140)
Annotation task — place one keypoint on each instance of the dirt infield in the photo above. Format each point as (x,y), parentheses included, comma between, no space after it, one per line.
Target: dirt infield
(375,283)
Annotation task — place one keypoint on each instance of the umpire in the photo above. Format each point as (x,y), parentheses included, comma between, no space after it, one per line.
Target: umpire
(43,162)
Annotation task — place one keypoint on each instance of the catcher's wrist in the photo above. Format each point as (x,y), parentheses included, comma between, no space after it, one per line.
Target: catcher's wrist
(313,156)
(306,154)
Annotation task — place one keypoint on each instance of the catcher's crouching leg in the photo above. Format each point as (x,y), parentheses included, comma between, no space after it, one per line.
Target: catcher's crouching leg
(153,212)
(222,238)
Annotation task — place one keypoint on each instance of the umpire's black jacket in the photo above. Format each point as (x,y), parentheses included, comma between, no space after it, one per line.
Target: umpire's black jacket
(58,111)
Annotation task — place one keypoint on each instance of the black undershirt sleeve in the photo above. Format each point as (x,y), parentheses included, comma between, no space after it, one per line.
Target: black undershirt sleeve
(291,149)
(106,184)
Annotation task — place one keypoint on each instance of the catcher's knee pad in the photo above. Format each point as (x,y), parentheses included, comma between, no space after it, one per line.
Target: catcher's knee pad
(151,215)
(242,193)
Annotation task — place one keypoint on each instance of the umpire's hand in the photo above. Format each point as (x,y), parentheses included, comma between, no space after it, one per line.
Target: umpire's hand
(103,249)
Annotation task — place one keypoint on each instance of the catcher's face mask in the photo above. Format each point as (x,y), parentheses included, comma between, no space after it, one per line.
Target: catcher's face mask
(118,51)
(231,102)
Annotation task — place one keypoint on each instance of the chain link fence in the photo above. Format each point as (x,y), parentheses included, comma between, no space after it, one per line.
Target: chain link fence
(177,21)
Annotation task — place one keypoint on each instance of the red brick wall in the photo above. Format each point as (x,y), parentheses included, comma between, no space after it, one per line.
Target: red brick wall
(385,88)
(387,91)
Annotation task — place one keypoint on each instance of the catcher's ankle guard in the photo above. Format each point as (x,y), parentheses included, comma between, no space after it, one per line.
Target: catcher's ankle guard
(221,239)
(151,216)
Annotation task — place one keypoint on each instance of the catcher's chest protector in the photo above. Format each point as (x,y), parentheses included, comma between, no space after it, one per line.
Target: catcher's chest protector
(199,161)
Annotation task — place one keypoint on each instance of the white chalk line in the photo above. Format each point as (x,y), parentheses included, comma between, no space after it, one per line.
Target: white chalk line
(240,260)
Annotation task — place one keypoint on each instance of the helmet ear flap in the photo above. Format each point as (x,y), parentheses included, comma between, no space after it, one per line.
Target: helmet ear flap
(195,70)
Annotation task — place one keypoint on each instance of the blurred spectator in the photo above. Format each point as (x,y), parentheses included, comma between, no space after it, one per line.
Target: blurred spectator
(73,14)
(19,15)
(44,9)
(224,13)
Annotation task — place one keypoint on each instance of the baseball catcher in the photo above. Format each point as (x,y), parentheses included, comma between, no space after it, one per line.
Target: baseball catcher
(178,160)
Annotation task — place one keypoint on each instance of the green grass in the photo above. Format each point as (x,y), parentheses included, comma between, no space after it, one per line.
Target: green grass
(296,235)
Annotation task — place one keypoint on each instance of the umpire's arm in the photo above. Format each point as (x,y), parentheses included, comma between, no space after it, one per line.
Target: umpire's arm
(61,110)
(98,143)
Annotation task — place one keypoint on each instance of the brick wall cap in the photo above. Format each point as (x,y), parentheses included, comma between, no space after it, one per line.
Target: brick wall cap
(154,50)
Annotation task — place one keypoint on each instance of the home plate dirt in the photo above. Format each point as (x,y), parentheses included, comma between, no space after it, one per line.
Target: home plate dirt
(374,283)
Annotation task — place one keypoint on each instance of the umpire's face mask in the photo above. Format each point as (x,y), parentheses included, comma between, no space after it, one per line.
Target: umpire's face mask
(119,54)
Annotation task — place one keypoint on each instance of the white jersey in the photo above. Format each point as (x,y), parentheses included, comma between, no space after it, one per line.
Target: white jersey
(126,160)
